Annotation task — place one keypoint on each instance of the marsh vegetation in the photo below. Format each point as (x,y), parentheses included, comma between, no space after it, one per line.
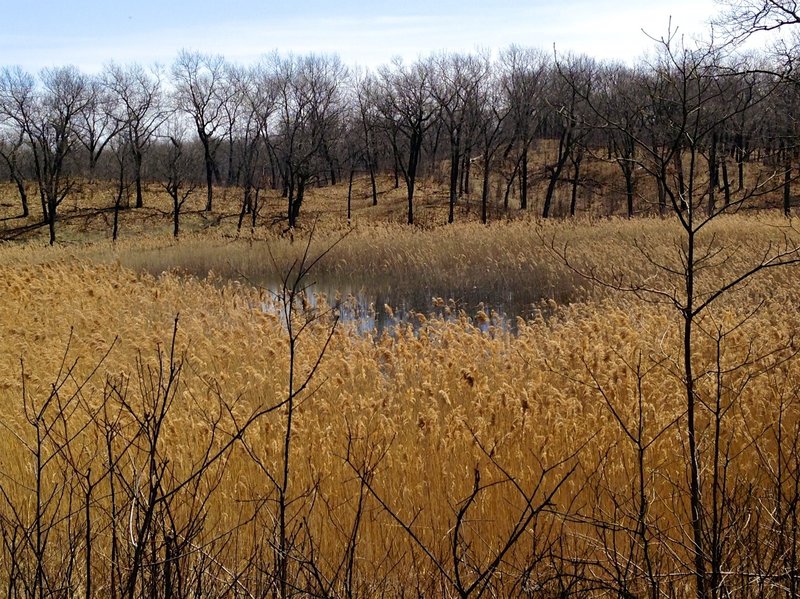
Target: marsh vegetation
(240,359)
(432,457)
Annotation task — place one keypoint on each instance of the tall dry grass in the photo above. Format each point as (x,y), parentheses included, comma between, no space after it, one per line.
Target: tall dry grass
(416,456)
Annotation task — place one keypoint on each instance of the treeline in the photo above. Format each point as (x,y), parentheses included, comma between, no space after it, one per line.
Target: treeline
(678,127)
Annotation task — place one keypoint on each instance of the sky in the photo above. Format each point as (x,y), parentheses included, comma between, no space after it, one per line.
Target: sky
(90,33)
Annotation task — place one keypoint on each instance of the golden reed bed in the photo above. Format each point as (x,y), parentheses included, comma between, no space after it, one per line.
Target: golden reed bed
(436,460)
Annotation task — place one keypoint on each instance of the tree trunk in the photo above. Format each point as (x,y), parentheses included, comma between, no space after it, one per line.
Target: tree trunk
(298,200)
(331,165)
(254,213)
(573,204)
(290,202)
(45,213)
(246,205)
(485,190)
(118,199)
(713,174)
(40,181)
(726,184)
(510,185)
(411,173)
(467,169)
(787,182)
(373,184)
(273,174)
(410,195)
(678,162)
(523,179)
(350,192)
(10,159)
(23,195)
(662,196)
(555,175)
(564,147)
(231,179)
(209,176)
(51,221)
(455,155)
(433,158)
(695,499)
(629,189)
(137,165)
(739,156)
(176,213)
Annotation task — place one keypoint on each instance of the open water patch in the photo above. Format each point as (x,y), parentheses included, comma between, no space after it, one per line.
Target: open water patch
(378,307)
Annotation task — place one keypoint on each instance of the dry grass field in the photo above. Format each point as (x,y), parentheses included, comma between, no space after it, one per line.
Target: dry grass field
(158,439)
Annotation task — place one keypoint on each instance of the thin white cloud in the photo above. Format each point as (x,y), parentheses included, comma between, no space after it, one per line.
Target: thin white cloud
(599,28)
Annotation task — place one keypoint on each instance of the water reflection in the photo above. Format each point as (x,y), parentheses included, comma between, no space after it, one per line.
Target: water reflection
(377,307)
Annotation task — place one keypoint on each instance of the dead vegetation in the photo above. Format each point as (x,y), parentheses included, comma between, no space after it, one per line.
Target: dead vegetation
(147,458)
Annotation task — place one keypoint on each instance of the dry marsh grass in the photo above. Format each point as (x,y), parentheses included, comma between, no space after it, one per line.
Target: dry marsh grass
(553,422)
(560,261)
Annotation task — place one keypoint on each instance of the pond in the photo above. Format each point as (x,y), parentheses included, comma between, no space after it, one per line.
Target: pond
(375,307)
(487,284)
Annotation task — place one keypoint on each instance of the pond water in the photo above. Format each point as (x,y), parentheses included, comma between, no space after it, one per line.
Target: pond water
(375,300)
(376,307)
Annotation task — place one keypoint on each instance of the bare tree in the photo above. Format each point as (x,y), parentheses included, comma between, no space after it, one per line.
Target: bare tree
(492,114)
(743,18)
(202,93)
(13,153)
(234,107)
(258,91)
(409,110)
(140,109)
(455,82)
(310,104)
(688,100)
(97,123)
(18,102)
(120,148)
(177,177)
(772,128)
(618,100)
(364,88)
(568,92)
(523,73)
(47,117)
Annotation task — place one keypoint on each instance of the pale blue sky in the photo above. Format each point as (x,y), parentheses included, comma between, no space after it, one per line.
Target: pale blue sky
(89,33)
